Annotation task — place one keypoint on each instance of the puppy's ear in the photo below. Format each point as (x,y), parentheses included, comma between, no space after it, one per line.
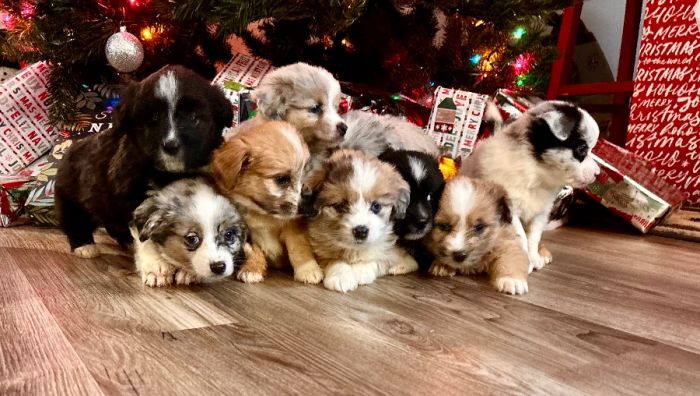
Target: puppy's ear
(402,201)
(558,123)
(223,112)
(228,162)
(124,114)
(310,204)
(271,99)
(151,219)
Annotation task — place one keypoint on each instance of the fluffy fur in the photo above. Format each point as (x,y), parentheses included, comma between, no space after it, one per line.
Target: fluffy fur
(533,158)
(374,134)
(422,173)
(187,233)
(166,126)
(260,169)
(473,233)
(358,197)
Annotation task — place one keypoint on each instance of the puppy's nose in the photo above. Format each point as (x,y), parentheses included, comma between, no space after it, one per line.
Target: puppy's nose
(459,256)
(342,128)
(360,233)
(287,207)
(422,220)
(171,146)
(218,267)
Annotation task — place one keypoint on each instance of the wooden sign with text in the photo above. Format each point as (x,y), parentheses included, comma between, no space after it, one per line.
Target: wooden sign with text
(665,111)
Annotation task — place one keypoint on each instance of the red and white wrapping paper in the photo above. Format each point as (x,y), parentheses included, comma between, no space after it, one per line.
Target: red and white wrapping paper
(25,131)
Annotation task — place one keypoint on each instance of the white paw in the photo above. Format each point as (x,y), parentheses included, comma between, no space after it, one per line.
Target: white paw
(152,279)
(246,276)
(308,272)
(86,251)
(406,265)
(510,285)
(441,270)
(365,273)
(536,262)
(340,278)
(183,277)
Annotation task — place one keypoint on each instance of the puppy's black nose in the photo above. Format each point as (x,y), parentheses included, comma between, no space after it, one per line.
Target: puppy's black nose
(459,256)
(171,146)
(218,267)
(360,233)
(342,128)
(422,221)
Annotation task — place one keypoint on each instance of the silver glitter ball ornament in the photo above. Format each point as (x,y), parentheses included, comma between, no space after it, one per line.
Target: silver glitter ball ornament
(124,51)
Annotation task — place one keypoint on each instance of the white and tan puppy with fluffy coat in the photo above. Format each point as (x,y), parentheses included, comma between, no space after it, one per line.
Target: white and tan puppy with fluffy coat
(532,158)
(357,199)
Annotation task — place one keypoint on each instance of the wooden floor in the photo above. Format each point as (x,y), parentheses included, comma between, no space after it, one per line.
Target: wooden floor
(614,314)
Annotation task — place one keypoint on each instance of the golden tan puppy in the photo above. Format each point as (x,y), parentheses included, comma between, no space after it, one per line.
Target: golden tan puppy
(357,199)
(473,233)
(260,169)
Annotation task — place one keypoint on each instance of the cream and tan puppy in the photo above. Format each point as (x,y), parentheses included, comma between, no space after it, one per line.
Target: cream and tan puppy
(532,158)
(260,169)
(357,199)
(473,234)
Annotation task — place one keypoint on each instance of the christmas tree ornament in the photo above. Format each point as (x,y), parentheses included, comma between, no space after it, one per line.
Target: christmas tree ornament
(124,51)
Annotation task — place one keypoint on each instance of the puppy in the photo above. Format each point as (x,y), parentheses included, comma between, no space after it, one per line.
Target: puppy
(473,233)
(305,96)
(165,127)
(374,134)
(422,173)
(187,233)
(533,158)
(260,169)
(358,197)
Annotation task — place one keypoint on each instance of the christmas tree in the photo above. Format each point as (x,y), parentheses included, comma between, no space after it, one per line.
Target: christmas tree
(403,46)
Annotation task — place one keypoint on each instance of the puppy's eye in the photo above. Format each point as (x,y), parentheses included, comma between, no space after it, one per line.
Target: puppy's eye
(283,180)
(341,207)
(316,109)
(479,228)
(194,119)
(375,208)
(444,227)
(581,151)
(428,198)
(192,240)
(231,234)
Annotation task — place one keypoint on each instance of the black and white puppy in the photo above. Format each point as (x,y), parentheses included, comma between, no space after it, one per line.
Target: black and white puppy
(165,127)
(422,173)
(532,158)
(187,233)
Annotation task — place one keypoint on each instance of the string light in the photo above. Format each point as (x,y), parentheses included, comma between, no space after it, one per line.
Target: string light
(149,33)
(521,80)
(519,33)
(474,59)
(522,63)
(8,20)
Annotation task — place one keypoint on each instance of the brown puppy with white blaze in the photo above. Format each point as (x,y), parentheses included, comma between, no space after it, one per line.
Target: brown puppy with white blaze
(260,169)
(473,233)
(357,199)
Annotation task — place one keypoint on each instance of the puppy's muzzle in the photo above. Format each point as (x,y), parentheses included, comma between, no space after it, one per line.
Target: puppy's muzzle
(360,233)
(459,256)
(341,127)
(171,146)
(218,267)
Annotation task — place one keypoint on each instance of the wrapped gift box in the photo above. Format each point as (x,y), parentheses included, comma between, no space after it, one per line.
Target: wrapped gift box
(25,131)
(237,78)
(629,187)
(14,191)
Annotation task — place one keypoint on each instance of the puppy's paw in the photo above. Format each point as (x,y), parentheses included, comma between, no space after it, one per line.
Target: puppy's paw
(184,277)
(509,285)
(247,275)
(471,270)
(545,254)
(365,273)
(153,279)
(536,262)
(308,272)
(340,278)
(406,265)
(437,269)
(86,251)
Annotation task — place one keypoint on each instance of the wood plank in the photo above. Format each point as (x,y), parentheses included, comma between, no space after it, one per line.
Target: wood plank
(35,357)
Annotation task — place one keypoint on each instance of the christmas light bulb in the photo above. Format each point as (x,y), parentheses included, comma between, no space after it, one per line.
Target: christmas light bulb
(519,33)
(147,33)
(475,59)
